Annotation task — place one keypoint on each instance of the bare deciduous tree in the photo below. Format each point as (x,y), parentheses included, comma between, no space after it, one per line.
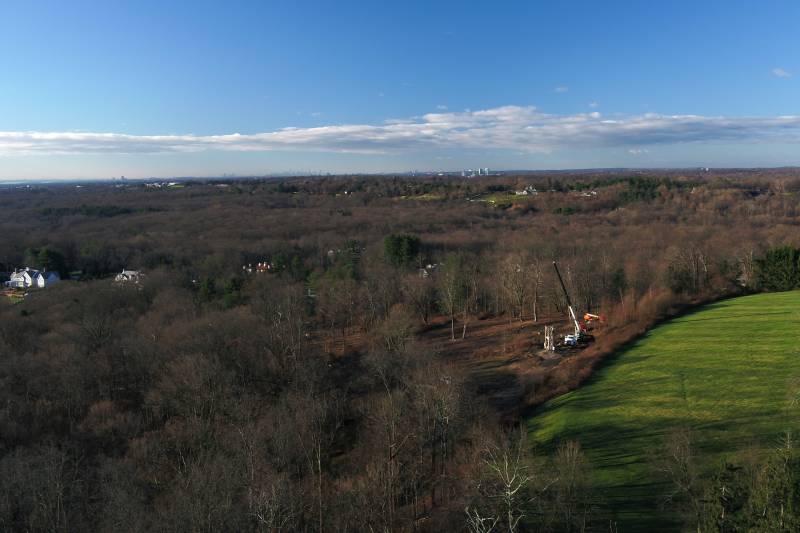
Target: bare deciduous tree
(317,416)
(572,490)
(451,289)
(514,279)
(677,465)
(420,293)
(507,485)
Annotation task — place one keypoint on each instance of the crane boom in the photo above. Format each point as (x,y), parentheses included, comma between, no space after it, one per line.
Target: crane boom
(561,281)
(572,314)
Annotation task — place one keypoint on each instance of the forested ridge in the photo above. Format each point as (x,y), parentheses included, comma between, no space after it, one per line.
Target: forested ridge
(211,396)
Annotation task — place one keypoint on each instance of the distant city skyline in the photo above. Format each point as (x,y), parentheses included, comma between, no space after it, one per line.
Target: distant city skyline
(98,90)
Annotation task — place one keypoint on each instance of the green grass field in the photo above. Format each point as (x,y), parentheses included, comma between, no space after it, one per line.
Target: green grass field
(500,199)
(13,295)
(723,370)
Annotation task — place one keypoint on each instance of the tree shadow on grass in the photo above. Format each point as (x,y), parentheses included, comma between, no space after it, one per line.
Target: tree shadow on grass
(627,488)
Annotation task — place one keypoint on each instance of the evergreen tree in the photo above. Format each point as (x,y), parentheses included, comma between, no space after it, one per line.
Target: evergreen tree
(778,269)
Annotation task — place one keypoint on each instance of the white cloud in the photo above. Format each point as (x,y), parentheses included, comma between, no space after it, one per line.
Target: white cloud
(561,89)
(593,104)
(441,107)
(638,151)
(505,128)
(781,73)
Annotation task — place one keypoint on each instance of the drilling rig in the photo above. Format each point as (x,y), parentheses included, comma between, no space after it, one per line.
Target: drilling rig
(579,336)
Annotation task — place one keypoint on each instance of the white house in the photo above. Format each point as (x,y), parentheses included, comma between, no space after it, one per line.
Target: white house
(530,190)
(23,279)
(132,276)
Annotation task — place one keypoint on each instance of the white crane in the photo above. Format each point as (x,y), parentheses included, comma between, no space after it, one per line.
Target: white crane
(579,335)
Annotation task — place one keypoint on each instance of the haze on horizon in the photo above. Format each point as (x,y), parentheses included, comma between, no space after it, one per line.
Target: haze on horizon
(94,90)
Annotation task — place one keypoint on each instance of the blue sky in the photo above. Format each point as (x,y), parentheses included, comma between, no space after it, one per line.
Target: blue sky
(101,89)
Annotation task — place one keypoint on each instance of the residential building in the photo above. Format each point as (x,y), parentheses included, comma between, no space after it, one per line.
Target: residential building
(128,276)
(31,278)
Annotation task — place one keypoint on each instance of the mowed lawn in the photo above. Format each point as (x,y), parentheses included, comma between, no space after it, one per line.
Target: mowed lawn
(723,370)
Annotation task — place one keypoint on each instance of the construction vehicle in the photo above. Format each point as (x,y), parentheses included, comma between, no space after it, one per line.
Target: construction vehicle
(592,320)
(579,335)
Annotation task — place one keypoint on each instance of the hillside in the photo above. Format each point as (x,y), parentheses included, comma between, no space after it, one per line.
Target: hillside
(723,371)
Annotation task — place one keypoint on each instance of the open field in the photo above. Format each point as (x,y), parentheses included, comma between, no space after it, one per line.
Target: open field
(507,199)
(724,371)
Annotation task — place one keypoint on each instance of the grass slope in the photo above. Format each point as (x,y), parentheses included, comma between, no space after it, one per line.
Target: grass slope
(722,370)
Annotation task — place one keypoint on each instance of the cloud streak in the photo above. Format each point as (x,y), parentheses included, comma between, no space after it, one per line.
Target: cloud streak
(781,73)
(503,128)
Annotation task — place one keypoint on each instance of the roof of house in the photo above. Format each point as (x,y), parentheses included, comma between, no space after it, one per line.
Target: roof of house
(33,274)
(131,275)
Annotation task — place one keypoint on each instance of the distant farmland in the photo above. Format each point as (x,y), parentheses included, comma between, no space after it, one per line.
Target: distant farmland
(723,371)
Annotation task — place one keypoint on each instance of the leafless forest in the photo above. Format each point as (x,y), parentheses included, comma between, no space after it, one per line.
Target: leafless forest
(372,375)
